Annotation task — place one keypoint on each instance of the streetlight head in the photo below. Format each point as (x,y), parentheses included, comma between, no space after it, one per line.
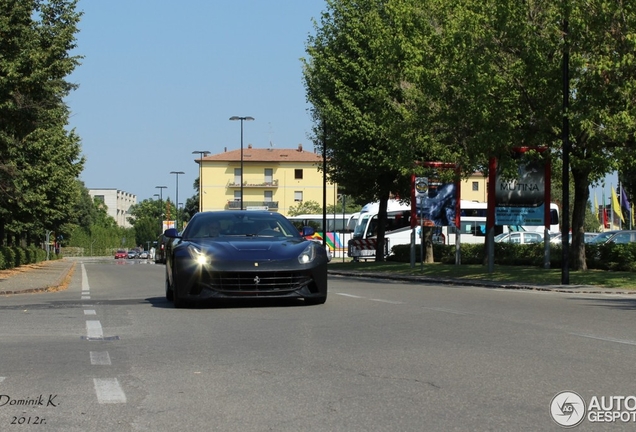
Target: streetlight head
(177,172)
(201,152)
(241,118)
(161,187)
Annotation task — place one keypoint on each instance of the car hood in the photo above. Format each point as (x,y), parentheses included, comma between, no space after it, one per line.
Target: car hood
(249,248)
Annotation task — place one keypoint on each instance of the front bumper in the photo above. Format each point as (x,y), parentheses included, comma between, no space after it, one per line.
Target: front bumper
(245,280)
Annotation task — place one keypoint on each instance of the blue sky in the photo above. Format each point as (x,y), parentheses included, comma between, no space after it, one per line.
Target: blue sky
(161,79)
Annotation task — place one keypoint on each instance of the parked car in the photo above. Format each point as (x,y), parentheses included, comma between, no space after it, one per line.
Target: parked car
(132,254)
(587,237)
(519,237)
(143,255)
(618,237)
(251,255)
(121,254)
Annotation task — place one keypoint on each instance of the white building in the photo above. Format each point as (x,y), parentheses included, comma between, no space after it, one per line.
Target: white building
(117,203)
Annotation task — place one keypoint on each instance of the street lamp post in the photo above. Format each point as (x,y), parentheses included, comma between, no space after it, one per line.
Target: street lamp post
(242,119)
(201,154)
(176,222)
(161,188)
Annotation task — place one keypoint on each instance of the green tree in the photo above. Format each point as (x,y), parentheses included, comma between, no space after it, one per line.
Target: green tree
(39,158)
(146,219)
(305,207)
(361,79)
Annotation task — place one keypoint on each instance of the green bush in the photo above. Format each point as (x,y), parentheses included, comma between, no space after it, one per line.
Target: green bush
(615,257)
(20,256)
(30,254)
(9,257)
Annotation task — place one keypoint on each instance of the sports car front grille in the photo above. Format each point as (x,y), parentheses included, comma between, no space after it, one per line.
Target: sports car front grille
(261,282)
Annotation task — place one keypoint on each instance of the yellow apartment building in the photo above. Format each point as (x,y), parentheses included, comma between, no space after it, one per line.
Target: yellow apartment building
(273,179)
(475,188)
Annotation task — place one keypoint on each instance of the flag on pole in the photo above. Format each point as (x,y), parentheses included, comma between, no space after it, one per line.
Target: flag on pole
(605,225)
(596,208)
(624,201)
(616,206)
(626,206)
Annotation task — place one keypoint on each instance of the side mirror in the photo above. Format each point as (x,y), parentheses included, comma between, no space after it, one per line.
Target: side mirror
(308,231)
(171,233)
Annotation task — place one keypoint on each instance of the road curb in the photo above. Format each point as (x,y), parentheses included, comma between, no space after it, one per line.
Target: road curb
(572,289)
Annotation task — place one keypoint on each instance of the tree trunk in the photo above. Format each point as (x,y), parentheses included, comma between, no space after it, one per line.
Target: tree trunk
(379,251)
(580,202)
(427,238)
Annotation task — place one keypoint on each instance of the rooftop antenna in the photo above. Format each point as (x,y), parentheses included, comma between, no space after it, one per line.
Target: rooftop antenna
(270,133)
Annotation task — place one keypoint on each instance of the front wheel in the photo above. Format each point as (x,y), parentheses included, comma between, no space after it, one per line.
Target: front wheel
(316,300)
(169,292)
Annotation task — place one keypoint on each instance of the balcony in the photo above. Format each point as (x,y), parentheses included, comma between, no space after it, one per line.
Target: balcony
(272,184)
(236,205)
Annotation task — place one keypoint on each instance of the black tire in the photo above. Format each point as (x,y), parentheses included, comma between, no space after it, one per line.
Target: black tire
(316,300)
(169,292)
(177,301)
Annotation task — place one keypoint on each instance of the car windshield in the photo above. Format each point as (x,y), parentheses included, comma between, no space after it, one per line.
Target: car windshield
(245,224)
(602,237)
(499,237)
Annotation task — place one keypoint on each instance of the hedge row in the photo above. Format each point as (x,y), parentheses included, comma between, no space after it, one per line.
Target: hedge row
(617,257)
(15,256)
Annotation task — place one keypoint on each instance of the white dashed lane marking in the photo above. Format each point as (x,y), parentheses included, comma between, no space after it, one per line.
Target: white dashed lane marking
(109,391)
(90,312)
(94,329)
(100,358)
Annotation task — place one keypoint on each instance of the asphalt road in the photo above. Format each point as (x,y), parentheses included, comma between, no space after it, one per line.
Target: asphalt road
(110,354)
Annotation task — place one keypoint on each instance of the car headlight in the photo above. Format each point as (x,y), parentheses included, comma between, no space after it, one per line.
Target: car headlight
(308,254)
(198,255)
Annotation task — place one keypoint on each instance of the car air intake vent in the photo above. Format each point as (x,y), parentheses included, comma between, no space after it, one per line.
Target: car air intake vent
(249,282)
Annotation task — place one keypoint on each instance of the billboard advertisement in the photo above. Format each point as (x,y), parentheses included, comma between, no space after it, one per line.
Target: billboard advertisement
(436,202)
(521,200)
(167,224)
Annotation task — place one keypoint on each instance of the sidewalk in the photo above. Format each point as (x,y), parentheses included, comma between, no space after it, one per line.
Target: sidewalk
(45,276)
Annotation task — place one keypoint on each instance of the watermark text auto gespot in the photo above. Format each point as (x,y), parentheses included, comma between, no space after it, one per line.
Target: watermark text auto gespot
(607,409)
(568,409)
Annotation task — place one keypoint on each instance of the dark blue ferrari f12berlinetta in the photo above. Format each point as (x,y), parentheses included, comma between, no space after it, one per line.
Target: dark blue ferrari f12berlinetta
(243,254)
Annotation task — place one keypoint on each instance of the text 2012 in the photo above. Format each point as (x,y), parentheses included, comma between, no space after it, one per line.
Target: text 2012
(27,420)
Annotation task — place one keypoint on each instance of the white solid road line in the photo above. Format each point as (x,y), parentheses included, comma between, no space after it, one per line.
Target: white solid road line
(109,391)
(85,286)
(86,289)
(606,339)
(349,295)
(386,301)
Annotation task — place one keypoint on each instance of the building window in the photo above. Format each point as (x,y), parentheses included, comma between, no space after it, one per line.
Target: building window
(237,195)
(298,196)
(269,175)
(298,174)
(475,186)
(268,196)
(237,176)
